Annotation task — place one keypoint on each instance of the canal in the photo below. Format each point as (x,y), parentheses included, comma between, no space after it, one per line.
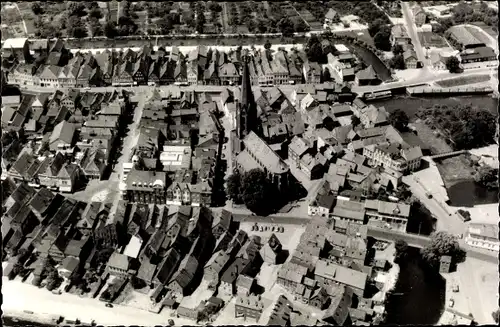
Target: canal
(419,295)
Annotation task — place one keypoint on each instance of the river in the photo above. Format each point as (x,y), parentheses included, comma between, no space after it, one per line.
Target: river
(419,295)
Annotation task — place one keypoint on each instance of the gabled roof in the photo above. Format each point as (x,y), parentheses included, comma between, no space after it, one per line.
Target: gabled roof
(63,131)
(367,74)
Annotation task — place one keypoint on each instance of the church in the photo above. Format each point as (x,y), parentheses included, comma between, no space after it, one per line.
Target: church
(249,150)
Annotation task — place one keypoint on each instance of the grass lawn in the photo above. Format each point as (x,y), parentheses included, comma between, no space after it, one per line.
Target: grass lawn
(456,168)
(464,80)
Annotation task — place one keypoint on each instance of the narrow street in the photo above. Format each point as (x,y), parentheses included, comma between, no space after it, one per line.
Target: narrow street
(412,31)
(128,144)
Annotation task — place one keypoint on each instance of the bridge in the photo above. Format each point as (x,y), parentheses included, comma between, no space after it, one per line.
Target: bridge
(448,154)
(414,240)
(462,90)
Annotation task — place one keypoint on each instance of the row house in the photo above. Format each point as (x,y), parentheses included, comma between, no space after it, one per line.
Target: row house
(228,74)
(146,187)
(106,62)
(23,75)
(280,69)
(329,274)
(123,74)
(180,72)
(312,72)
(48,76)
(391,215)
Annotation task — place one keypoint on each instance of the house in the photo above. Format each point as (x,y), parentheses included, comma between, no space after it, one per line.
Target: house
(221,223)
(48,76)
(395,156)
(351,211)
(322,203)
(62,136)
(342,71)
(146,187)
(338,310)
(410,58)
(399,35)
(271,250)
(228,280)
(392,215)
(184,275)
(331,16)
(248,307)
(244,285)
(312,72)
(280,316)
(214,266)
(290,275)
(327,274)
(367,76)
(483,236)
(68,267)
(419,15)
(479,54)
(228,74)
(319,298)
(17,48)
(167,267)
(297,148)
(147,272)
(118,265)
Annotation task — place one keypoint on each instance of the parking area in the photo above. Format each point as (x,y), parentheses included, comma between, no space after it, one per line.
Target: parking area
(289,237)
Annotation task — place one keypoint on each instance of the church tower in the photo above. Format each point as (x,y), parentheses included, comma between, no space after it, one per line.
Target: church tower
(247,111)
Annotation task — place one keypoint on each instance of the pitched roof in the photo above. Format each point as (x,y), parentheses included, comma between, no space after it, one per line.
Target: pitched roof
(367,74)
(63,131)
(266,155)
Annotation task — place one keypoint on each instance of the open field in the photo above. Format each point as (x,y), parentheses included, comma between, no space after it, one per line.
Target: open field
(456,168)
(464,80)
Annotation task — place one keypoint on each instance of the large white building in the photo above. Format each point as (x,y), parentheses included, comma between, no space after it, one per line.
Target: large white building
(483,235)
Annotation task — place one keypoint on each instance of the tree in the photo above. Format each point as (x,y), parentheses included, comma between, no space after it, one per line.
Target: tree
(442,244)
(259,194)
(95,13)
(355,121)
(453,64)
(234,187)
(200,22)
(326,75)
(285,26)
(95,27)
(37,9)
(314,49)
(397,62)
(300,25)
(397,49)
(77,9)
(110,30)
(487,176)
(374,27)
(382,39)
(165,24)
(76,28)
(399,119)
(401,251)
(267,45)
(496,315)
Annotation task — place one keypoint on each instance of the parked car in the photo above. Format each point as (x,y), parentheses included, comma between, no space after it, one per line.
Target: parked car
(455,288)
(267,228)
(451,303)
(272,229)
(109,305)
(253,227)
(429,196)
(281,229)
(171,322)
(261,228)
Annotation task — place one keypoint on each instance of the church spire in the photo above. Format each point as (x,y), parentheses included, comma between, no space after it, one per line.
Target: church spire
(246,87)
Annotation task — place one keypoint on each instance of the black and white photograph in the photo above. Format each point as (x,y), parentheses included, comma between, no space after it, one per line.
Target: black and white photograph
(249,163)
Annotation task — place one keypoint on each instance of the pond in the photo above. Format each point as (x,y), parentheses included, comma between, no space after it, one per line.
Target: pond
(411,105)
(419,294)
(467,193)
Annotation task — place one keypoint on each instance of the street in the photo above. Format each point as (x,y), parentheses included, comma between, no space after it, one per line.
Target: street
(412,32)
(19,297)
(128,144)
